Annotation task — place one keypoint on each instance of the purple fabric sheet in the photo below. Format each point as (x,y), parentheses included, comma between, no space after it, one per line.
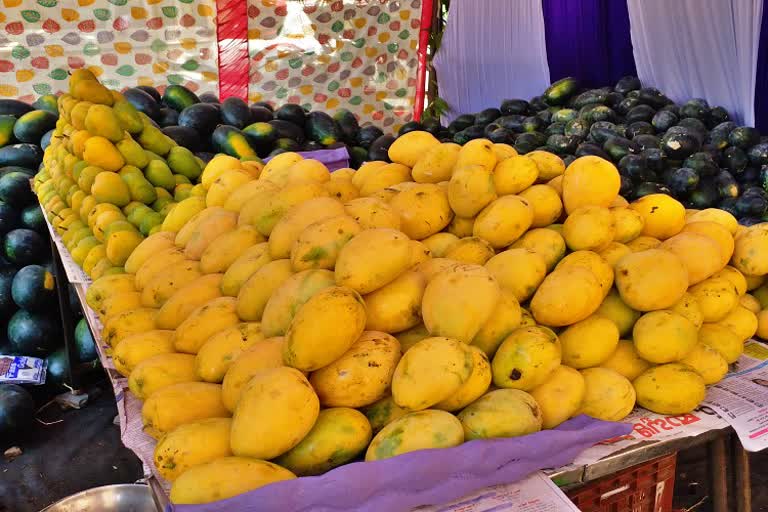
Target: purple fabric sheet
(334,159)
(427,477)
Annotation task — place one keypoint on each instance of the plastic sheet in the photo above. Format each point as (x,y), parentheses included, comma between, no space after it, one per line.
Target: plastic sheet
(354,54)
(334,159)
(425,477)
(125,43)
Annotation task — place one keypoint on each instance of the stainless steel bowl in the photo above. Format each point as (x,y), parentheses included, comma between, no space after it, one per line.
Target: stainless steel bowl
(109,498)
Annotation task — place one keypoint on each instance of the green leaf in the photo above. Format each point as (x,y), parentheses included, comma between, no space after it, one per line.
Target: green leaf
(118,2)
(158,45)
(170,12)
(91,49)
(102,14)
(30,16)
(58,74)
(125,70)
(42,88)
(19,52)
(47,3)
(175,79)
(190,65)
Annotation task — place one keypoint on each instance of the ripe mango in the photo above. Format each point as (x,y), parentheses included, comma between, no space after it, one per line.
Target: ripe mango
(103,121)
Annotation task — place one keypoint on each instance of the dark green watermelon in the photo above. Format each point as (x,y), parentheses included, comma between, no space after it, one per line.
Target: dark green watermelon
(33,288)
(17,412)
(488,115)
(561,144)
(627,84)
(33,334)
(640,113)
(527,142)
(697,108)
(559,92)
(462,122)
(702,163)
(647,141)
(601,131)
(31,218)
(260,114)
(513,123)
(410,126)
(726,185)
(653,97)
(679,145)
(178,97)
(291,113)
(751,205)
(513,107)
(553,129)
(143,101)
(663,120)
(626,105)
(288,130)
(24,246)
(532,124)
(348,125)
(564,115)
(235,112)
(379,148)
(683,181)
(744,137)
(367,135)
(58,368)
(587,148)
(618,147)
(500,136)
(86,347)
(655,158)
(7,306)
(591,97)
(705,195)
(734,159)
(201,117)
(598,113)
(639,128)
(184,136)
(577,128)
(758,154)
(9,217)
(648,188)
(717,115)
(209,97)
(16,190)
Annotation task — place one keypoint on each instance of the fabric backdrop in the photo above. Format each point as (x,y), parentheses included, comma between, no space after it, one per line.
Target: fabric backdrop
(490,51)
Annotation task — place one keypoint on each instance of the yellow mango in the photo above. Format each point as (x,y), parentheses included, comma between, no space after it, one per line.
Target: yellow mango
(372,259)
(276,169)
(324,328)
(286,300)
(152,266)
(205,321)
(339,436)
(594,263)
(224,185)
(115,304)
(590,181)
(254,191)
(188,298)
(588,228)
(217,354)
(663,216)
(110,188)
(216,167)
(382,412)
(121,244)
(458,301)
(436,163)
(296,219)
(139,347)
(608,395)
(475,386)
(99,151)
(259,287)
(470,190)
(208,231)
(501,413)
(264,354)
(318,245)
(708,363)
(192,444)
(716,297)
(148,248)
(526,358)
(409,148)
(664,336)
(182,213)
(423,210)
(670,389)
(550,165)
(545,203)
(276,410)
(396,306)
(108,286)
(651,279)
(617,311)
(166,283)
(373,213)
(365,171)
(224,478)
(439,243)
(159,371)
(566,296)
(504,319)
(700,255)
(471,250)
(124,324)
(227,248)
(560,396)
(416,431)
(431,372)
(589,342)
(513,175)
(102,120)
(626,361)
(249,261)
(520,271)
(723,340)
(361,375)
(266,214)
(177,404)
(383,177)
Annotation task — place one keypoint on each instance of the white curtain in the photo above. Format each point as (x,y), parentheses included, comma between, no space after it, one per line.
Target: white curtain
(491,50)
(699,49)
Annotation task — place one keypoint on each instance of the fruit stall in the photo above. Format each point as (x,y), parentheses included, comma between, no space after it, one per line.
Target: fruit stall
(334,281)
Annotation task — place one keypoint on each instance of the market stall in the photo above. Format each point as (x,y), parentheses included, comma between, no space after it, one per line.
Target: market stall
(290,270)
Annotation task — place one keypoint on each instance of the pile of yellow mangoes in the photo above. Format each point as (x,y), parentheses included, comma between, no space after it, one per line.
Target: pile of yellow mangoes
(293,319)
(110,175)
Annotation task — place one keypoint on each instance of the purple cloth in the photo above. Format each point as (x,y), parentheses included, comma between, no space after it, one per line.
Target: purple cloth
(426,477)
(761,82)
(589,40)
(334,159)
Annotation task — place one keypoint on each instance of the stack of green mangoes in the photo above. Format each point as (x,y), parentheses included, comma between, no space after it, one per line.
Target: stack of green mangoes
(110,175)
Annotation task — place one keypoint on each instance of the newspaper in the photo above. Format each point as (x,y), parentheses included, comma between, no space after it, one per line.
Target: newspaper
(537,493)
(742,397)
(22,370)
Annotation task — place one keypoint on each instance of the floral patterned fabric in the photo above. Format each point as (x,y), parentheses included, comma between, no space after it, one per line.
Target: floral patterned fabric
(355,54)
(125,43)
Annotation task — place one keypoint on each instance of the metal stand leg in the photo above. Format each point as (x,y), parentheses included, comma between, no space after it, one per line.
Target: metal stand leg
(718,475)
(66,317)
(742,481)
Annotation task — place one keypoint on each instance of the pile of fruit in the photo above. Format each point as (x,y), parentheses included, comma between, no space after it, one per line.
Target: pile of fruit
(207,126)
(291,320)
(692,150)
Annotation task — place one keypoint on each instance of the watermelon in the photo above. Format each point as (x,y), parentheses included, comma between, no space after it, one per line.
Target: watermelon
(86,347)
(6,298)
(24,246)
(32,218)
(58,367)
(33,288)
(32,334)
(17,410)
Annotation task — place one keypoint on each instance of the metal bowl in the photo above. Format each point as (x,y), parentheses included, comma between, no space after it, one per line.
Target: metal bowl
(109,498)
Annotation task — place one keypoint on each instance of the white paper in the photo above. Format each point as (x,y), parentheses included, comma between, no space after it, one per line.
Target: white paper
(537,493)
(742,397)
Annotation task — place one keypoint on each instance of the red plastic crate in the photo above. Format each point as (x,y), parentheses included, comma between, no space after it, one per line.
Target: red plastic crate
(648,487)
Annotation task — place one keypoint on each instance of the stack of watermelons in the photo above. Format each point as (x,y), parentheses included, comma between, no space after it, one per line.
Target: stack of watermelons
(692,151)
(29,313)
(207,126)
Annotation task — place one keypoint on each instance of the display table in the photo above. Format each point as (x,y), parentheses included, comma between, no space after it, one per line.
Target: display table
(653,435)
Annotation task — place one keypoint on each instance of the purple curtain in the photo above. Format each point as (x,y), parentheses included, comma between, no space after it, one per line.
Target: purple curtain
(761,82)
(589,40)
